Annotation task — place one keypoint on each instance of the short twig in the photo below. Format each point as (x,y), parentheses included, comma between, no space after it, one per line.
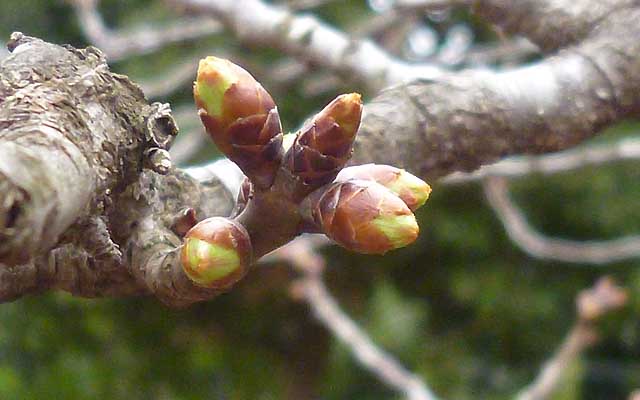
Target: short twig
(605,296)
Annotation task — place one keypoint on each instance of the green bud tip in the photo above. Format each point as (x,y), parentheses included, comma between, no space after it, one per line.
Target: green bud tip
(215,76)
(205,263)
(400,230)
(347,111)
(411,189)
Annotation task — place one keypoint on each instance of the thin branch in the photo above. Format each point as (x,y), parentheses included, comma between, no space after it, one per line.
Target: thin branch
(540,246)
(312,40)
(302,255)
(118,45)
(549,164)
(171,81)
(592,304)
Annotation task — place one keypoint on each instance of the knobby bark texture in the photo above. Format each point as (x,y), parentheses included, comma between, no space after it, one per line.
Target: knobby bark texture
(79,149)
(89,202)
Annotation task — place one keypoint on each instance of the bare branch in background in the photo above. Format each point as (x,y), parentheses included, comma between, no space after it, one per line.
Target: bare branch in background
(118,45)
(591,304)
(540,246)
(302,254)
(191,140)
(311,40)
(171,81)
(548,164)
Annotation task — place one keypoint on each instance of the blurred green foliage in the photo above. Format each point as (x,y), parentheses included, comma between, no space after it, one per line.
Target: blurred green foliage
(463,307)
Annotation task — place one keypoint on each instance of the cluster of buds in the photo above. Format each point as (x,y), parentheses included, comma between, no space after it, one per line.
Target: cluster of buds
(288,190)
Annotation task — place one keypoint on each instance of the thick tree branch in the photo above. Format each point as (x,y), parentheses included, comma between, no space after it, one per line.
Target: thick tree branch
(62,115)
(551,24)
(75,140)
(462,121)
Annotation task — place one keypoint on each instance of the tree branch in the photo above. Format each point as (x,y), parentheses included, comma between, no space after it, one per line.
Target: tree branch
(311,288)
(540,246)
(119,45)
(625,149)
(604,297)
(461,121)
(311,40)
(99,133)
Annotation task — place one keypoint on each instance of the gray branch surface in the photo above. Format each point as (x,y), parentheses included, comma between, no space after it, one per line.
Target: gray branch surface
(86,208)
(464,120)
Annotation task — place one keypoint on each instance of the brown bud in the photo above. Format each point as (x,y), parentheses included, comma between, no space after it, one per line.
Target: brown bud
(241,118)
(362,216)
(411,189)
(216,253)
(324,145)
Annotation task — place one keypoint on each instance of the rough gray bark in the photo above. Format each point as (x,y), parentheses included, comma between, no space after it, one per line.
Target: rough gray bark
(77,201)
(75,140)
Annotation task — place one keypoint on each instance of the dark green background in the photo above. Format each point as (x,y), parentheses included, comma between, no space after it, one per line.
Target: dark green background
(462,307)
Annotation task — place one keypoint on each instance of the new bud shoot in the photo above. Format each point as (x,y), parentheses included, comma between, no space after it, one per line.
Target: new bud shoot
(241,118)
(324,144)
(362,216)
(216,253)
(411,189)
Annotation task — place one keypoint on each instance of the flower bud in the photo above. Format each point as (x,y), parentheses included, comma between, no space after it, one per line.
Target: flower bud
(241,118)
(216,253)
(411,189)
(324,145)
(362,216)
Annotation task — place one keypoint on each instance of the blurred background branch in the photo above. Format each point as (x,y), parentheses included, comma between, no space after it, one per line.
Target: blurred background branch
(118,45)
(538,245)
(591,305)
(302,255)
